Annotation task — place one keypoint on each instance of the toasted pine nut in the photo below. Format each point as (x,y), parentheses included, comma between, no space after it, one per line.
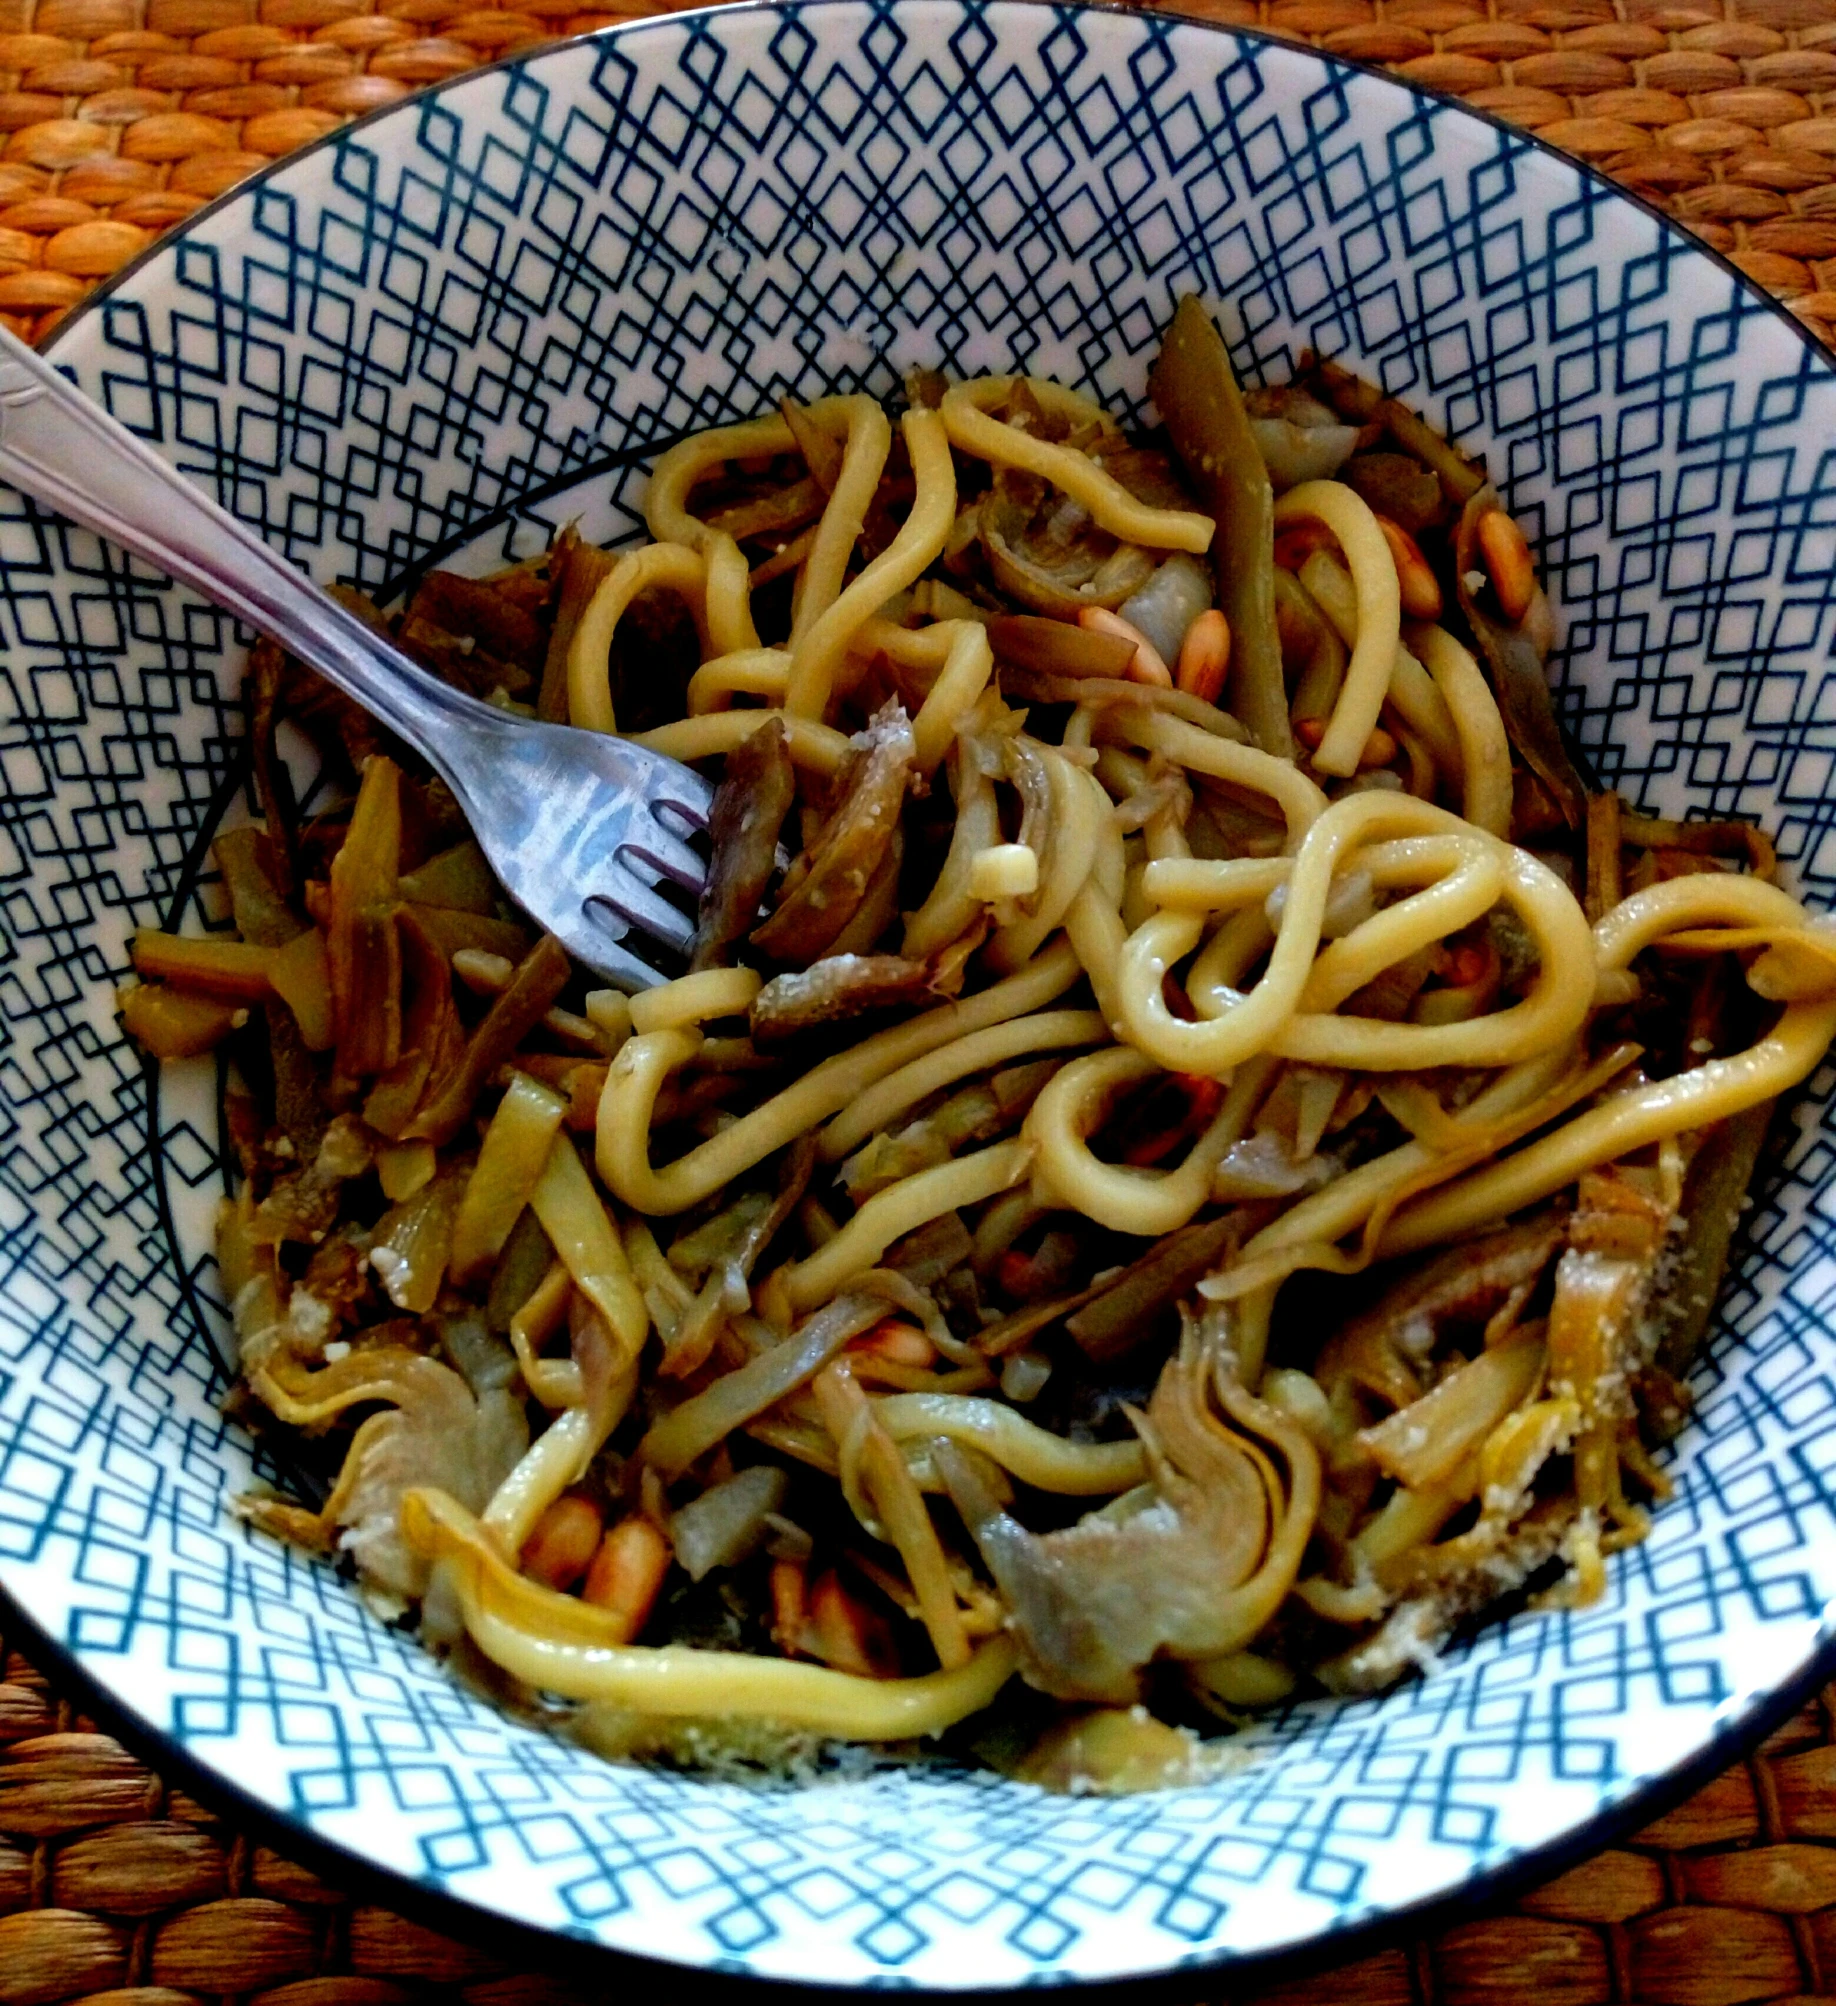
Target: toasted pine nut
(627,1573)
(1147,667)
(790,1585)
(1421,589)
(899,1342)
(566,1538)
(846,1634)
(1204,656)
(1379,749)
(1507,559)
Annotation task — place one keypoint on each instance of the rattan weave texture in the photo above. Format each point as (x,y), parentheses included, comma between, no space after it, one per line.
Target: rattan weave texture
(120,117)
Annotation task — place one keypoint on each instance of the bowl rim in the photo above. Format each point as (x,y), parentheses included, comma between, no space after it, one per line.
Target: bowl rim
(437,1907)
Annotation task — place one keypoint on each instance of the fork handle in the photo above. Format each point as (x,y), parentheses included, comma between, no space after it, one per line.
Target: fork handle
(62,449)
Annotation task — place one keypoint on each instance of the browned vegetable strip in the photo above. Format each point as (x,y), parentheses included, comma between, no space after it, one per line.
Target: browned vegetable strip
(452,931)
(249,863)
(366,965)
(1604,885)
(207,966)
(1056,647)
(300,975)
(174,1024)
(540,978)
(821,454)
(267,670)
(1458,475)
(1123,1315)
(688,1349)
(1714,1193)
(820,899)
(845,1409)
(1518,677)
(755,793)
(584,568)
(840,985)
(780,514)
(1739,841)
(1029,686)
(431,1035)
(688,1432)
(458,879)
(1196,391)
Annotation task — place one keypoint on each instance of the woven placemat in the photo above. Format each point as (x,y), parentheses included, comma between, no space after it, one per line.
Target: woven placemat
(118,118)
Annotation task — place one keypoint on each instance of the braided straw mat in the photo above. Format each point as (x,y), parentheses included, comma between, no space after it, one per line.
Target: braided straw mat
(120,117)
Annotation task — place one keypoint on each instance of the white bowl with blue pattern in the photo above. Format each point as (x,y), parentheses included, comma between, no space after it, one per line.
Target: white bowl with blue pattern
(459,323)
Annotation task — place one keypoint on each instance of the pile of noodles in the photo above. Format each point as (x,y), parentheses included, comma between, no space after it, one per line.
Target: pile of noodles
(1280,870)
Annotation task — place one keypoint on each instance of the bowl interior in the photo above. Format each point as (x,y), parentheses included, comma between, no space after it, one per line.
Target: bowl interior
(456,326)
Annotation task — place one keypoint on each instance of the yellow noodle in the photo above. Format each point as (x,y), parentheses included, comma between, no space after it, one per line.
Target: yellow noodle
(817,651)
(959,685)
(1417,700)
(1485,754)
(812,745)
(1373,570)
(574,1217)
(1149,1202)
(674,476)
(863,462)
(1033,1454)
(890,1097)
(555,1382)
(556,1460)
(1093,920)
(694,999)
(1300,801)
(551,1642)
(900,1209)
(589,654)
(950,909)
(729,597)
(922,648)
(749,672)
(1111,506)
(637,1075)
(1638,1116)
(1080,808)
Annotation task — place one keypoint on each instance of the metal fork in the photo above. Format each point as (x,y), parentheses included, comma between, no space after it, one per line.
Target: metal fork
(572,821)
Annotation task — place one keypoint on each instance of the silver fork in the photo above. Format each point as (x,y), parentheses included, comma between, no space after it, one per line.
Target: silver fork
(572,821)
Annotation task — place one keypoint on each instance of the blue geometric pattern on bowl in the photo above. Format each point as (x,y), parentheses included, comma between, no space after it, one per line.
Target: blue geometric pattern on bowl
(475,315)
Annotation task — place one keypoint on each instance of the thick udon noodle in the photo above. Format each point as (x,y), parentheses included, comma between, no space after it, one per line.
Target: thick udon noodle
(1262,1516)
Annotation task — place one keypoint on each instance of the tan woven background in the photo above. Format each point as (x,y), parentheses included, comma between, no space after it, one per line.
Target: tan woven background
(120,117)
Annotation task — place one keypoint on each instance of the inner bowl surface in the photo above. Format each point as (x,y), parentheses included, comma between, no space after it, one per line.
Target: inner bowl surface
(448,330)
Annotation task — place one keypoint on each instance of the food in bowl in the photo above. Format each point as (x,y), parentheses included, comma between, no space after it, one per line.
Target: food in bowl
(1198,1180)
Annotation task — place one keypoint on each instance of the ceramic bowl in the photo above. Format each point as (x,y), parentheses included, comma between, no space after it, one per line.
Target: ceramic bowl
(445,331)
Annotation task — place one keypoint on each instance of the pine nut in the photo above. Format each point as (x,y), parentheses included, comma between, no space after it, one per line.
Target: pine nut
(1204,656)
(564,1542)
(1421,589)
(789,1604)
(899,1343)
(627,1573)
(1147,667)
(847,1635)
(1507,561)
